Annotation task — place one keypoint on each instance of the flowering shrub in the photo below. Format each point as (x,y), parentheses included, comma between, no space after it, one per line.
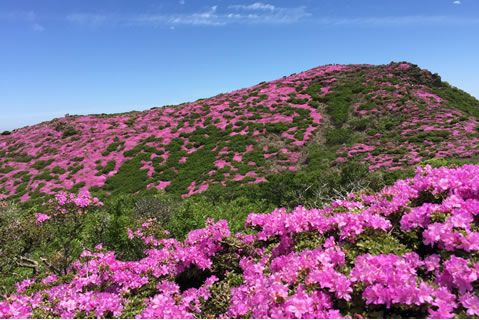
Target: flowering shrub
(62,226)
(409,250)
(41,217)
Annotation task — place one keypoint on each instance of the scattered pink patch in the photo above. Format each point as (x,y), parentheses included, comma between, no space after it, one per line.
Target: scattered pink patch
(237,157)
(193,189)
(426,95)
(326,90)
(41,217)
(220,164)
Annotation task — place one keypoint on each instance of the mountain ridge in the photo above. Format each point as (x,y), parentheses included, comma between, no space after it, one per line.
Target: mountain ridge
(364,113)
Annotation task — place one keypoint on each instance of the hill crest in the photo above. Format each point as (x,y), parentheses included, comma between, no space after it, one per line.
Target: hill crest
(389,117)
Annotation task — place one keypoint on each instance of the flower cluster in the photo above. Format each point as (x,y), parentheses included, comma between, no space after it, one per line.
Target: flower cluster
(266,294)
(41,217)
(82,199)
(65,204)
(170,303)
(349,224)
(409,250)
(100,283)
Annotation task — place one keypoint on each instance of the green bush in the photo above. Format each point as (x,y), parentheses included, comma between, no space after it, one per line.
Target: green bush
(6,169)
(340,99)
(277,128)
(58,170)
(434,136)
(193,212)
(41,164)
(368,106)
(18,236)
(338,136)
(360,124)
(160,207)
(129,178)
(69,131)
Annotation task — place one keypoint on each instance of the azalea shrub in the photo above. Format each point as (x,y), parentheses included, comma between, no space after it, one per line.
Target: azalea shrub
(49,238)
(18,233)
(63,225)
(410,250)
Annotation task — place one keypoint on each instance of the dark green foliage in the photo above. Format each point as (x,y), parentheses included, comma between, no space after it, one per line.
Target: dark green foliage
(23,158)
(317,183)
(23,242)
(197,166)
(41,164)
(44,175)
(338,136)
(18,236)
(69,131)
(339,101)
(368,106)
(313,90)
(75,168)
(277,128)
(129,178)
(110,166)
(6,169)
(114,146)
(192,213)
(219,301)
(387,124)
(160,207)
(295,100)
(131,121)
(77,187)
(360,124)
(58,170)
(434,136)
(116,216)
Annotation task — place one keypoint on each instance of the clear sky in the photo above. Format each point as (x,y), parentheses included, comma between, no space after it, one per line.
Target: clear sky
(105,56)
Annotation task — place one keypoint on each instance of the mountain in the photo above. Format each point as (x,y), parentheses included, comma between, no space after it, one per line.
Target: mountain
(387,117)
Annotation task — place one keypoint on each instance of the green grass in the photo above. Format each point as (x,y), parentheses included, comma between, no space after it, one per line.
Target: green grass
(338,136)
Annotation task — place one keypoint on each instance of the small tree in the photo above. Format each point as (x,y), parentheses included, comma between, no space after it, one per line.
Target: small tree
(63,225)
(18,236)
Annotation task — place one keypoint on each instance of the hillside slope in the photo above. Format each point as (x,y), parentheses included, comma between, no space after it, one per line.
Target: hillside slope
(389,117)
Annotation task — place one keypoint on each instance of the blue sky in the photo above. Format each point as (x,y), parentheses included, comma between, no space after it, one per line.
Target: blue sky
(105,56)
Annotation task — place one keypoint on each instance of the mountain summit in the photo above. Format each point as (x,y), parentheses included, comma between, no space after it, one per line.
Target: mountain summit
(389,117)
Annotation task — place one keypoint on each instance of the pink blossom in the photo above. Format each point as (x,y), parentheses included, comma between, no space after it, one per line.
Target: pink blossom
(41,217)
